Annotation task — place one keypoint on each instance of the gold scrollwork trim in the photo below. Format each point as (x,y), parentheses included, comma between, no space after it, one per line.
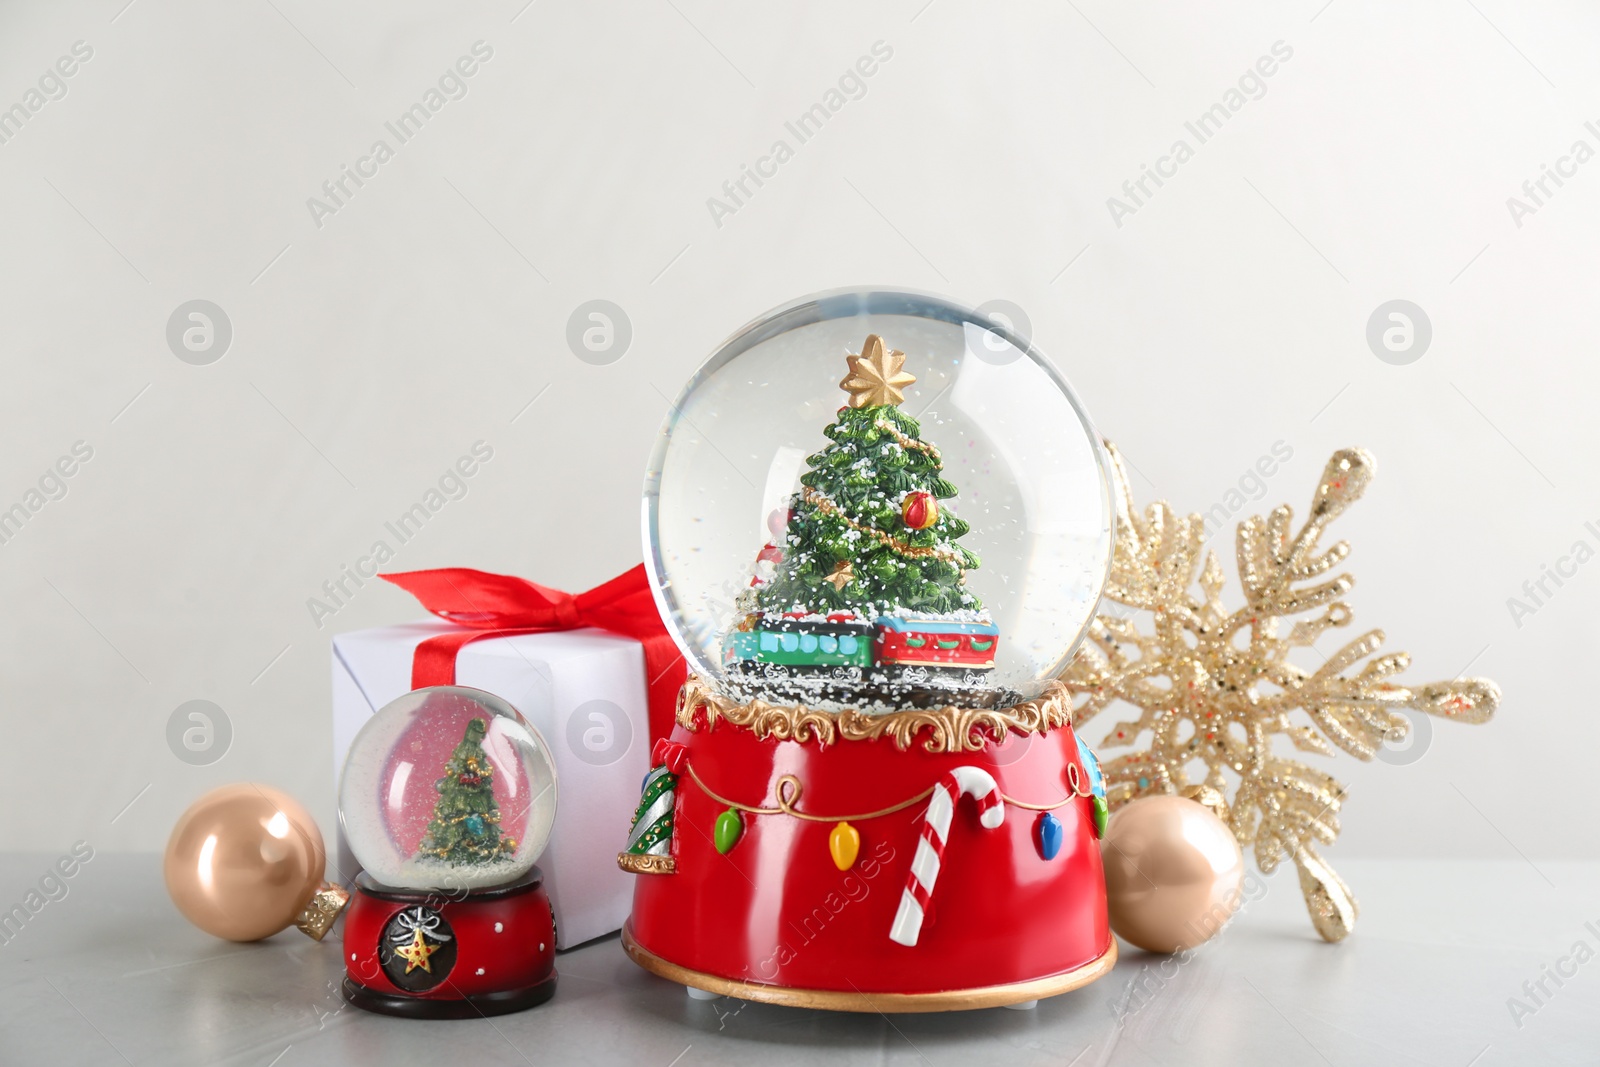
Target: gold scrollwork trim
(949,729)
(646,863)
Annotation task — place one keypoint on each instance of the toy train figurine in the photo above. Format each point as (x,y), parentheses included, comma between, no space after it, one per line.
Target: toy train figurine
(848,648)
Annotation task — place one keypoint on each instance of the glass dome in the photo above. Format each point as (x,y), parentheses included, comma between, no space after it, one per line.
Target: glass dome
(932,528)
(447,788)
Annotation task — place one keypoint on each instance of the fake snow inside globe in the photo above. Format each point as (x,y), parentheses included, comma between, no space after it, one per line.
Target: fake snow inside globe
(878,500)
(447,788)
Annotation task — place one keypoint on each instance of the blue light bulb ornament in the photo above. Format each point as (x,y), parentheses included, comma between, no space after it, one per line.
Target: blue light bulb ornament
(1049,835)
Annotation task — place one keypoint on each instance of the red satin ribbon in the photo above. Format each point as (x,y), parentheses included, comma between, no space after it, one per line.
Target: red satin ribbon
(499,605)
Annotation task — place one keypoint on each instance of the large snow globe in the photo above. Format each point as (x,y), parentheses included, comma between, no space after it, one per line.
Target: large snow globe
(878,500)
(447,788)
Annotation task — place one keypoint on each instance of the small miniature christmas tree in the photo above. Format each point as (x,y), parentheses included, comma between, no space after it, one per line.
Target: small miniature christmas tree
(466,821)
(867,533)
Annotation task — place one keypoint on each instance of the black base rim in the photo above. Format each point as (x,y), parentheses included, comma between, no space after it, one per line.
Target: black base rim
(475,1007)
(434,897)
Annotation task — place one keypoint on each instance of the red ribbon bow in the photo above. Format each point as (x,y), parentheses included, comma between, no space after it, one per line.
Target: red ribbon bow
(669,754)
(499,605)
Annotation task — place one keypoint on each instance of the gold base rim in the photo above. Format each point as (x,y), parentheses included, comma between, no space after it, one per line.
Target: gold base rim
(646,863)
(948,729)
(995,996)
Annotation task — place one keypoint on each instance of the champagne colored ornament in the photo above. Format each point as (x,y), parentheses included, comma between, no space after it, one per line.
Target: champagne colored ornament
(729,828)
(844,843)
(1218,686)
(246,861)
(919,510)
(1174,873)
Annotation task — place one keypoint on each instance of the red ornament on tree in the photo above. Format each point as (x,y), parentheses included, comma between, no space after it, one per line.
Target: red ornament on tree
(919,510)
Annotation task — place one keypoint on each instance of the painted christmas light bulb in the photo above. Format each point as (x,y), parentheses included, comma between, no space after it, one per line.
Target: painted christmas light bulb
(1048,834)
(1097,786)
(844,844)
(727,830)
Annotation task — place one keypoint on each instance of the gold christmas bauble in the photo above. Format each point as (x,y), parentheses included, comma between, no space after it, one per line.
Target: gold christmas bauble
(246,861)
(1174,873)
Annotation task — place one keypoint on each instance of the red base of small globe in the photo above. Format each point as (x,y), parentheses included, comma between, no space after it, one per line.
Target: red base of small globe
(437,955)
(776,915)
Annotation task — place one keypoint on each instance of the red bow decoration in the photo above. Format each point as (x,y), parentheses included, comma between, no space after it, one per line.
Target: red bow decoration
(499,605)
(669,754)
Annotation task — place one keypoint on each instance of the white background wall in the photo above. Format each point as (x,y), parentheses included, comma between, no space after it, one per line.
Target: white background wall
(1226,315)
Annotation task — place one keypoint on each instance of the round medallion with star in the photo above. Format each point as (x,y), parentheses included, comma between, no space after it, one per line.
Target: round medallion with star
(418,949)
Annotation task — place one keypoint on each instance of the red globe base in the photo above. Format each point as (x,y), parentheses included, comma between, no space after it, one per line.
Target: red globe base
(437,955)
(777,919)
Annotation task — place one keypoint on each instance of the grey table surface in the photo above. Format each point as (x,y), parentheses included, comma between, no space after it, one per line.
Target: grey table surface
(109,973)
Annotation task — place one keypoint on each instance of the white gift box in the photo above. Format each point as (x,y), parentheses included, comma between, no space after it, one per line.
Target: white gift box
(584,690)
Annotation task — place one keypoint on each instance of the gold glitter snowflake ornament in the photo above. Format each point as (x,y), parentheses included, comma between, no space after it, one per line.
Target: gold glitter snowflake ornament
(1215,687)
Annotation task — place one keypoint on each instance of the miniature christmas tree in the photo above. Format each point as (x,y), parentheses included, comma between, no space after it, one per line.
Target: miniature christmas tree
(867,534)
(466,821)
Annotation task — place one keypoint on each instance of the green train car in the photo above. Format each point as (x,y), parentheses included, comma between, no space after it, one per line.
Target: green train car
(846,646)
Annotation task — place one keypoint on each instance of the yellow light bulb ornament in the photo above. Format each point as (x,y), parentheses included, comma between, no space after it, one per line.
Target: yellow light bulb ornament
(844,843)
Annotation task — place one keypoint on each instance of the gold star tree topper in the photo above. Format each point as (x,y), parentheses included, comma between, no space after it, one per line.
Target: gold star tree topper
(1216,688)
(875,376)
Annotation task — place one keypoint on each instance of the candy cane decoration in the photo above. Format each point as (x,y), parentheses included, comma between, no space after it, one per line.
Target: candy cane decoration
(971,781)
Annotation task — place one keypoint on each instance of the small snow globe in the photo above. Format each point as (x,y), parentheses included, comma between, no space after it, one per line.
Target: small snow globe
(878,500)
(450,789)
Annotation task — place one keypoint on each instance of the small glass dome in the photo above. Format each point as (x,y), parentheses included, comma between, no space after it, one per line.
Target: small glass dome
(878,500)
(448,789)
